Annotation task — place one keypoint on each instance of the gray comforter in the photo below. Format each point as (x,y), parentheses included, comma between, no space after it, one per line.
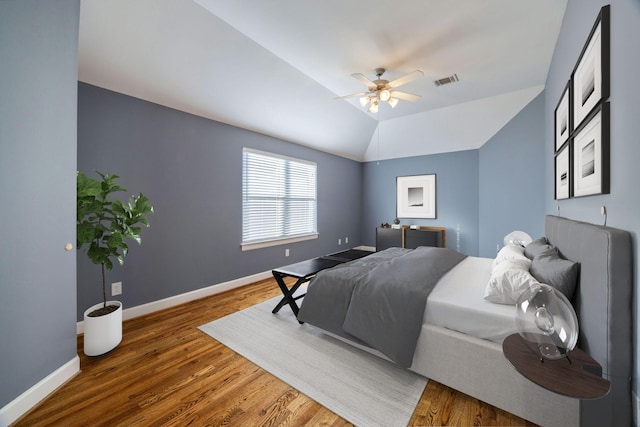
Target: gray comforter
(378,300)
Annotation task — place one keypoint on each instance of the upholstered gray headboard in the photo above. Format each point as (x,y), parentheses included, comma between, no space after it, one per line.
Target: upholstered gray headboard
(603,306)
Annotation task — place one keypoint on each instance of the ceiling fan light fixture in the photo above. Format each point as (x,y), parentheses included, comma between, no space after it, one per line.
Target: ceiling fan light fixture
(381,90)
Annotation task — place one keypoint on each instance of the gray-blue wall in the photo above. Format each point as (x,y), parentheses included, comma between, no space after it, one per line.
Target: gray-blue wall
(38,84)
(191,170)
(153,147)
(456,195)
(623,203)
(512,179)
(481,194)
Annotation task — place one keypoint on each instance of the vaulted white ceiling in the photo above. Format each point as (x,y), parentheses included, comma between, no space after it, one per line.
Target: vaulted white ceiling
(276,66)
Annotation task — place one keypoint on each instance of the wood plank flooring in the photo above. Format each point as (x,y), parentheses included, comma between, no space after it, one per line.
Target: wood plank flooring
(168,373)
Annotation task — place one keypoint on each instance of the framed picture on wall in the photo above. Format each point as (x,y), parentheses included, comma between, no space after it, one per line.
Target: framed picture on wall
(591,155)
(416,196)
(590,78)
(562,118)
(563,174)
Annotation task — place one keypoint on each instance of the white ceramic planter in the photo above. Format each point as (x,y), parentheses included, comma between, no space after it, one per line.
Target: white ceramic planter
(102,334)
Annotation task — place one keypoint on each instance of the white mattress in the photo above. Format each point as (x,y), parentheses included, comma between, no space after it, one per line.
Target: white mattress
(457,302)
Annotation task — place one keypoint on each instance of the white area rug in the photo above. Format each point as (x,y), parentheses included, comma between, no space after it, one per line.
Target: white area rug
(360,387)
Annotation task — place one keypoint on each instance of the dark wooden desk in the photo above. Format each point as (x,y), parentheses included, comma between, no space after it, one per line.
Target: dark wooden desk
(580,377)
(409,238)
(303,271)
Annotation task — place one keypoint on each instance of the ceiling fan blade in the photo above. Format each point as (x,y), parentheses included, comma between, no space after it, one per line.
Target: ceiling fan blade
(406,79)
(353,95)
(405,96)
(363,79)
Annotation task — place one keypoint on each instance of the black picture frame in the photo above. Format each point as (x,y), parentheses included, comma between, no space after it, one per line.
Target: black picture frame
(563,173)
(590,78)
(563,119)
(416,196)
(591,154)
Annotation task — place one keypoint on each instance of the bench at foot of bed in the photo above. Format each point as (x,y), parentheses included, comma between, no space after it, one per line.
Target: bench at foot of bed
(305,270)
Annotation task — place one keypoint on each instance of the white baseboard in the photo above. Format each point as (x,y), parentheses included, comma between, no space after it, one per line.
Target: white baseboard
(30,398)
(141,310)
(154,306)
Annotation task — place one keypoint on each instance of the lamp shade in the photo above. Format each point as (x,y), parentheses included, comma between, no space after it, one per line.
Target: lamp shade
(519,238)
(547,322)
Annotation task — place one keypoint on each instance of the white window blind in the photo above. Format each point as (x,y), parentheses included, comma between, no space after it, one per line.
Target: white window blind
(278,197)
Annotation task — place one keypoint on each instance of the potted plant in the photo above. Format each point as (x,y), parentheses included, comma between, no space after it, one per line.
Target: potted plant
(104,225)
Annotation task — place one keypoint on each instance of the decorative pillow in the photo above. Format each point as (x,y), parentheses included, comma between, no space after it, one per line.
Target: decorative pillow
(547,267)
(508,253)
(535,247)
(509,279)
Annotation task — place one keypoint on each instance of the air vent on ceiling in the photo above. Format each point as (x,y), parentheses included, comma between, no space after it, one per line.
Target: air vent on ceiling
(446,80)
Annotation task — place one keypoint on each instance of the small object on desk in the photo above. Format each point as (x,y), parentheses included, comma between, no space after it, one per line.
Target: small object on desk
(578,375)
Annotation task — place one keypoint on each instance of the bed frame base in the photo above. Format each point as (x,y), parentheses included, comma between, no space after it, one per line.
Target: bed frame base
(478,368)
(603,306)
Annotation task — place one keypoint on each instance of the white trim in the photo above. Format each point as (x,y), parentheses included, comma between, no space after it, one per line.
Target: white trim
(366,248)
(154,306)
(30,398)
(276,242)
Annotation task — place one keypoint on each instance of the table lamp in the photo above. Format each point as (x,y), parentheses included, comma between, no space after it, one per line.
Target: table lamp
(547,322)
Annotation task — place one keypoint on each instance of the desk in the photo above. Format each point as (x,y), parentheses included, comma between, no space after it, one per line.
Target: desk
(410,238)
(304,271)
(581,378)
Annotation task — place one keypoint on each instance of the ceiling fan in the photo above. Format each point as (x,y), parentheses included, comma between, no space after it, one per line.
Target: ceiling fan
(384,90)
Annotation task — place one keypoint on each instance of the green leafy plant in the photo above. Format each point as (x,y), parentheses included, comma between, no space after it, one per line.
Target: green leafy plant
(104,224)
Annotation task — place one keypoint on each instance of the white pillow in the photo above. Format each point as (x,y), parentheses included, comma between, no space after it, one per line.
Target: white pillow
(510,253)
(509,279)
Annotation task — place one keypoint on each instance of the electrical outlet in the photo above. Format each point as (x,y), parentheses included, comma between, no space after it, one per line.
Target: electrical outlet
(286,252)
(346,240)
(339,241)
(116,288)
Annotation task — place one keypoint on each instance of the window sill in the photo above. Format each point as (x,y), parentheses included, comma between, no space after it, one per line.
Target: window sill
(285,241)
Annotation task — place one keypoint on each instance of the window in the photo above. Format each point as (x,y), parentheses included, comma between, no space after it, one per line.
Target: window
(278,199)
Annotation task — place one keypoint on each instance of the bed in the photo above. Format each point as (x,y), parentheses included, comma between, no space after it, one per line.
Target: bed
(449,354)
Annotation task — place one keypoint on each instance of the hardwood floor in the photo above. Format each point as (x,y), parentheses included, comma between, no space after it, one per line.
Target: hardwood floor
(167,372)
